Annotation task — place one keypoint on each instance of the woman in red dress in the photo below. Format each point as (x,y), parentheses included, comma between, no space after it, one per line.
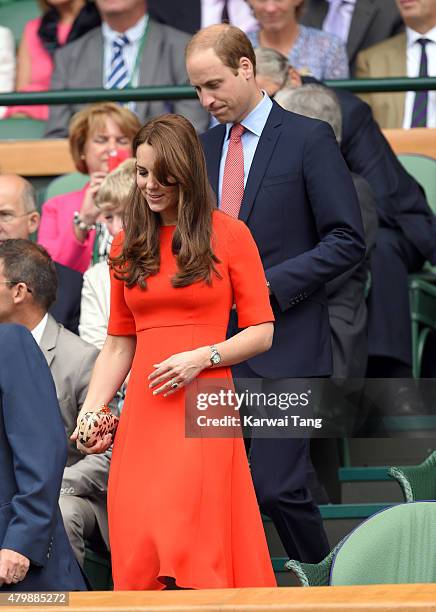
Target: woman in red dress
(181,510)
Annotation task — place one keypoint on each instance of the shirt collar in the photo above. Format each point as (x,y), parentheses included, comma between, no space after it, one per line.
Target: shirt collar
(255,121)
(413,36)
(39,329)
(134,33)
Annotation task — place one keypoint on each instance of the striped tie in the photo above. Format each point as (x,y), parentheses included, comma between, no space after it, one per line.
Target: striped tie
(419,113)
(118,77)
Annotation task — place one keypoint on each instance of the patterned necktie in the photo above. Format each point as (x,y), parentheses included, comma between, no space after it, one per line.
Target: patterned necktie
(225,14)
(419,113)
(118,77)
(233,178)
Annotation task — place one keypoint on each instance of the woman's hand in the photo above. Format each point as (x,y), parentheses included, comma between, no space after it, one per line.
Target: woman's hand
(99,447)
(89,211)
(178,370)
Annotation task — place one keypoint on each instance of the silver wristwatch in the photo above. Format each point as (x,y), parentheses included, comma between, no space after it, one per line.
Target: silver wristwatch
(215,357)
(81,224)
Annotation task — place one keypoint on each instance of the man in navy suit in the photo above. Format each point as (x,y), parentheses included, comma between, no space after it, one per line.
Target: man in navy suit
(35,554)
(301,207)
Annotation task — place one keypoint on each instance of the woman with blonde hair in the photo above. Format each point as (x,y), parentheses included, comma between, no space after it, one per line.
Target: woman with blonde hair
(111,200)
(100,135)
(182,510)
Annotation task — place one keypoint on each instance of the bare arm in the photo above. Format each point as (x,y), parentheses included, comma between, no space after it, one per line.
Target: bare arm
(110,370)
(184,367)
(24,65)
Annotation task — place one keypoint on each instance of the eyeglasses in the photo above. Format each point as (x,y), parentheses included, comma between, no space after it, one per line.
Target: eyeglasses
(16,282)
(7,217)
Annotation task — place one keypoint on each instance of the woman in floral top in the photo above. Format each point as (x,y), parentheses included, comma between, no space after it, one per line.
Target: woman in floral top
(312,52)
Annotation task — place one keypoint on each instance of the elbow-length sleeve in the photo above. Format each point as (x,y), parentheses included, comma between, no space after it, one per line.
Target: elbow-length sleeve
(247,276)
(56,232)
(121,320)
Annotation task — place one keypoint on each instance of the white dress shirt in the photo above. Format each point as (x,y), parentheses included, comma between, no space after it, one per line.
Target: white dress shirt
(340,25)
(240,14)
(254,124)
(413,61)
(130,51)
(39,329)
(7,63)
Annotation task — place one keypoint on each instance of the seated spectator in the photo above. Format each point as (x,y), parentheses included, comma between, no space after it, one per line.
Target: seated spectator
(19,218)
(346,293)
(410,54)
(405,239)
(111,200)
(310,51)
(358,23)
(35,554)
(61,23)
(129,50)
(97,133)
(27,294)
(192,15)
(7,63)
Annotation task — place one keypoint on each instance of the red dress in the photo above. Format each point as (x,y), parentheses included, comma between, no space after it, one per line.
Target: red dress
(184,507)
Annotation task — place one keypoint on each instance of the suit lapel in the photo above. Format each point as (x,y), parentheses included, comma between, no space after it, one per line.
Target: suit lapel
(49,340)
(95,49)
(264,150)
(149,63)
(213,146)
(363,14)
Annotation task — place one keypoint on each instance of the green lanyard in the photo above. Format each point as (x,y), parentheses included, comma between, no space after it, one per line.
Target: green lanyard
(135,70)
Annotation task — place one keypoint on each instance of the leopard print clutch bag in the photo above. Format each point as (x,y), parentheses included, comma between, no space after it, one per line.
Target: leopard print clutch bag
(93,426)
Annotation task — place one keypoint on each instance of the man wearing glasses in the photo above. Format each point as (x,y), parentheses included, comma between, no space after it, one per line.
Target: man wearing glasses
(19,218)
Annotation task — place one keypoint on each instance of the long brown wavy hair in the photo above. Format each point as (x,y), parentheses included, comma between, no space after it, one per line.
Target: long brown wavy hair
(179,160)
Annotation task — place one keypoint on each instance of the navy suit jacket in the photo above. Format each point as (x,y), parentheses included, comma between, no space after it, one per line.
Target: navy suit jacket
(301,207)
(66,309)
(33,452)
(400,200)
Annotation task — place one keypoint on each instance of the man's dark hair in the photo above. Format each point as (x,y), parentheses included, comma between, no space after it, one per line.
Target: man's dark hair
(26,262)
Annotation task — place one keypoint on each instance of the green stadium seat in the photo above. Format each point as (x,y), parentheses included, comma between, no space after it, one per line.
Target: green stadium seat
(21,128)
(396,546)
(393,546)
(422,286)
(418,482)
(15,15)
(65,184)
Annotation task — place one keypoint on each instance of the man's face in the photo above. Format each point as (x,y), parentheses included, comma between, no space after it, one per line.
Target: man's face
(15,222)
(115,7)
(225,93)
(418,11)
(6,297)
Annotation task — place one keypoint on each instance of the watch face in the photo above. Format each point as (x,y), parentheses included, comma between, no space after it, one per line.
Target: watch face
(215,359)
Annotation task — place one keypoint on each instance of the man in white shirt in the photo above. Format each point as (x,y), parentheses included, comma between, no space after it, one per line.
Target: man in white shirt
(358,23)
(192,15)
(411,54)
(128,50)
(27,290)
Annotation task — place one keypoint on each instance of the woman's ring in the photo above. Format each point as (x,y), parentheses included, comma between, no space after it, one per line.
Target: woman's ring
(15,578)
(174,385)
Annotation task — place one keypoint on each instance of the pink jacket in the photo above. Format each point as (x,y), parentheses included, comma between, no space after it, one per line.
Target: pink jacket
(56,232)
